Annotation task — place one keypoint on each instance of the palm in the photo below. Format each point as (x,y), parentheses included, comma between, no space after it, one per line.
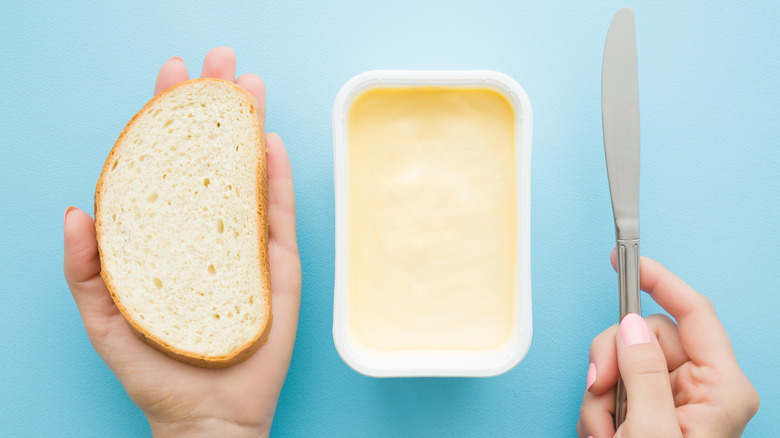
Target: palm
(247,390)
(170,391)
(698,396)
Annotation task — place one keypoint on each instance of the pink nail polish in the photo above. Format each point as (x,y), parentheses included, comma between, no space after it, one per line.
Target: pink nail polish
(591,376)
(68,210)
(633,330)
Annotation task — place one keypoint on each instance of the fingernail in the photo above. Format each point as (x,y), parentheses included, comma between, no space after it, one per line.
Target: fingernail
(68,210)
(633,330)
(591,376)
(176,58)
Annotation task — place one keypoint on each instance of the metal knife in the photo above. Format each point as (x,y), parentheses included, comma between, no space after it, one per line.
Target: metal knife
(620,119)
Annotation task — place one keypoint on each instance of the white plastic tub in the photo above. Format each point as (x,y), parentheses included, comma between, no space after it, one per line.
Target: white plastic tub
(392,348)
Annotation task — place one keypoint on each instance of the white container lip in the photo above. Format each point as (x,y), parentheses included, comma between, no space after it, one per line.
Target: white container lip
(439,363)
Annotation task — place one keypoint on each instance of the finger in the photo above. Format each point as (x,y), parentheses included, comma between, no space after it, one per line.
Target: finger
(272,360)
(596,414)
(220,63)
(82,267)
(281,195)
(603,372)
(285,265)
(677,378)
(170,74)
(701,333)
(669,338)
(255,85)
(646,378)
(82,272)
(581,431)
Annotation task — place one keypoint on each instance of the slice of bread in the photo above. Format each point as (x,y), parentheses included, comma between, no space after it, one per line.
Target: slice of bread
(182,228)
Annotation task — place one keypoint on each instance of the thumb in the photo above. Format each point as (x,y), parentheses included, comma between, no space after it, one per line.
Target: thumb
(643,368)
(81,264)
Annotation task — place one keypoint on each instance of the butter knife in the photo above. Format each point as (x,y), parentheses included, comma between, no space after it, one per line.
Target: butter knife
(620,120)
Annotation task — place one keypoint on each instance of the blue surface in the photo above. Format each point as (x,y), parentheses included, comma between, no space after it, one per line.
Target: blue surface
(71,77)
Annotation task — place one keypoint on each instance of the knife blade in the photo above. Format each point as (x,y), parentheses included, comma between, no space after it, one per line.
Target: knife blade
(620,122)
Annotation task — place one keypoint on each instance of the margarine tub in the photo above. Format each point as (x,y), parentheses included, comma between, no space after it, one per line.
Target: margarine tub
(432,172)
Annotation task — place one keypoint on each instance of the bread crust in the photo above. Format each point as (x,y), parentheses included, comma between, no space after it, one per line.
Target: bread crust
(261,181)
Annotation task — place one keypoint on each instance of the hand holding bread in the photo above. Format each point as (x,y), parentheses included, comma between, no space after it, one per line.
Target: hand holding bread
(176,396)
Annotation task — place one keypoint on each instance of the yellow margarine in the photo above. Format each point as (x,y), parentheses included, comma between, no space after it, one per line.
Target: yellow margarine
(432,219)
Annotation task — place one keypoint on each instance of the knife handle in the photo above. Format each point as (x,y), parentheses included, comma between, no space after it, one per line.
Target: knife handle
(628,279)
(628,276)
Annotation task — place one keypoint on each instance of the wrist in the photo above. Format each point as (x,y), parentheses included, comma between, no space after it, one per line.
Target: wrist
(206,427)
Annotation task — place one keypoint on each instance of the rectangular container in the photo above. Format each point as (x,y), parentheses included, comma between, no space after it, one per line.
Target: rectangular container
(438,283)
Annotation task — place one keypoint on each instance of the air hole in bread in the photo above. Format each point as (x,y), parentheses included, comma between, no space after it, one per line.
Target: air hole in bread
(216,316)
(218,124)
(156,113)
(164,175)
(251,299)
(212,271)
(115,164)
(220,226)
(157,283)
(168,123)
(152,197)
(206,182)
(141,158)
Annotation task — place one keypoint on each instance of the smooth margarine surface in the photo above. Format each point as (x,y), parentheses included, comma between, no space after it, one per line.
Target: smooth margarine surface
(180,227)
(432,219)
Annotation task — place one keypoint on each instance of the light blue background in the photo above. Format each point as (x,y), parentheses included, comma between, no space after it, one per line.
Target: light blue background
(72,76)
